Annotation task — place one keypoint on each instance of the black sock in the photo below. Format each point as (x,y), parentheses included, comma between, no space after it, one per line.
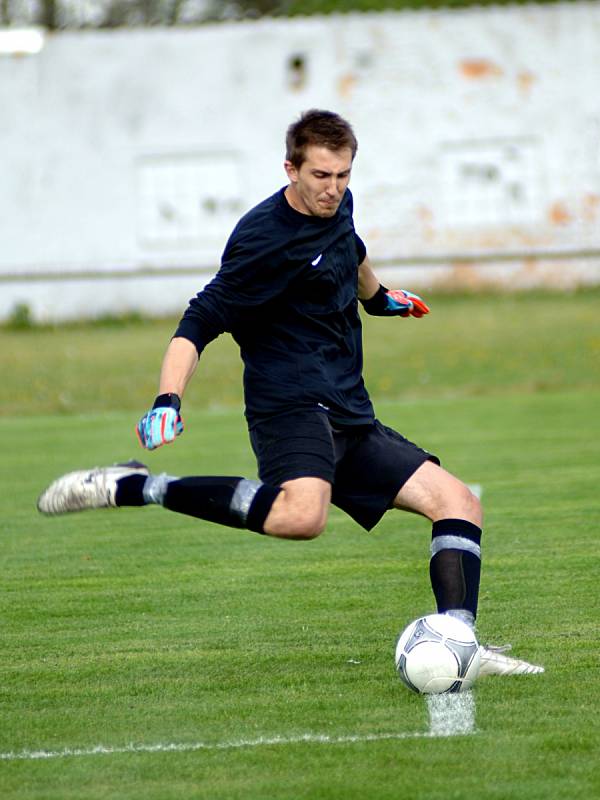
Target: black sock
(207,498)
(130,491)
(455,565)
(233,501)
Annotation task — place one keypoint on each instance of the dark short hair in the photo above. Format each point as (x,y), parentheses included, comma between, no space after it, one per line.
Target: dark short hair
(321,128)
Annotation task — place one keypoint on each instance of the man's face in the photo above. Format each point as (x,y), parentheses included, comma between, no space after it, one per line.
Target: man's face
(318,185)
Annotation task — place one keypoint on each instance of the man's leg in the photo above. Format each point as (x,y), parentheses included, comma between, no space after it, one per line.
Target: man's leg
(296,510)
(455,563)
(457,516)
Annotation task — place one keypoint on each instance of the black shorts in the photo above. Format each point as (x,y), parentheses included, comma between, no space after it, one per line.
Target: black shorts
(366,464)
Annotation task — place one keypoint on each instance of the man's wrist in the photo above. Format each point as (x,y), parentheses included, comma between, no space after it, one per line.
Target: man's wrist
(168,400)
(376,304)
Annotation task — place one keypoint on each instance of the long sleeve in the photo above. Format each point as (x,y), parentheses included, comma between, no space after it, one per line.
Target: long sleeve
(253,272)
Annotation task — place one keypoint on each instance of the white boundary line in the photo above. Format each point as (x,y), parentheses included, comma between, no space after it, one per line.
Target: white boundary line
(449,715)
(173,747)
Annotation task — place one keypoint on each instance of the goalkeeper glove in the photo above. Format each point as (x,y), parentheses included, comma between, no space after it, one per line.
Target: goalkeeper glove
(395,302)
(162,423)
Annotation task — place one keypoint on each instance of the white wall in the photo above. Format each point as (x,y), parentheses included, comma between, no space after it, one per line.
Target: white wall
(126,157)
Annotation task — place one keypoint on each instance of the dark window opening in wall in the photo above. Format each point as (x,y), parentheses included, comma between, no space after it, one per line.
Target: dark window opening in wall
(296,71)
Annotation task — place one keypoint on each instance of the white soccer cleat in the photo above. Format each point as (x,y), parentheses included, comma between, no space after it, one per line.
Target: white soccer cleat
(494,662)
(85,489)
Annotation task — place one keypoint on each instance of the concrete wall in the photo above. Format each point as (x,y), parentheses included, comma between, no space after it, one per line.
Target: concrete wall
(126,157)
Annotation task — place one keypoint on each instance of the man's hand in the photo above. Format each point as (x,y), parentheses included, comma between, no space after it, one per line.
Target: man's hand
(162,423)
(395,302)
(409,304)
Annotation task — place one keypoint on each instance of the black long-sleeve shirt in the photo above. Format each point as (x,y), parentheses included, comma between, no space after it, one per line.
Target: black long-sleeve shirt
(287,292)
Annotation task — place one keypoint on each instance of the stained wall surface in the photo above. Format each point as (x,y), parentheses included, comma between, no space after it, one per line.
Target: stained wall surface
(127,157)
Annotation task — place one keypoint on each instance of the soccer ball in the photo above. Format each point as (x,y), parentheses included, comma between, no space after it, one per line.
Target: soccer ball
(436,654)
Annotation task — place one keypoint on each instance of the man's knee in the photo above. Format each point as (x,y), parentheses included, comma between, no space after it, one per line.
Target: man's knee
(461,503)
(302,524)
(308,526)
(471,502)
(300,511)
(457,501)
(437,494)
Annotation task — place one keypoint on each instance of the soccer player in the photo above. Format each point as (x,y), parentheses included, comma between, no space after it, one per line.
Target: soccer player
(288,289)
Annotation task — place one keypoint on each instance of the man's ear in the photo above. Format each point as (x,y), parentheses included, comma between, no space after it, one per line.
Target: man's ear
(291,171)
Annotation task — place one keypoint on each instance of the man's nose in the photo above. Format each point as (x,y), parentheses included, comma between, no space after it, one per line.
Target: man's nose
(332,187)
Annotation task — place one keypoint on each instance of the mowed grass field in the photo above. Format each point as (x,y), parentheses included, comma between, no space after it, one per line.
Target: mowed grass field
(150,655)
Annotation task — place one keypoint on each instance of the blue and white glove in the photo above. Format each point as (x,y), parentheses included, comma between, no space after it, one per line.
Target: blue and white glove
(162,423)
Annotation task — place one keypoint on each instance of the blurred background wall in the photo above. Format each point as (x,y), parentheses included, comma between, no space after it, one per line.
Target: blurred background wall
(127,156)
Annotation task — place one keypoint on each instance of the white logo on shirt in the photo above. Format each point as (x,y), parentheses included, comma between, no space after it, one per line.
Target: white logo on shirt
(317,259)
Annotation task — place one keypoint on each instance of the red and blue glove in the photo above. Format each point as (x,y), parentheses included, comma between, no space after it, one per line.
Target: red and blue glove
(162,423)
(394,303)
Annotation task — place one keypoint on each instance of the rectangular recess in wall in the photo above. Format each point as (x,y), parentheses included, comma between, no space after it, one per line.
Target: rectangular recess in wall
(494,182)
(187,200)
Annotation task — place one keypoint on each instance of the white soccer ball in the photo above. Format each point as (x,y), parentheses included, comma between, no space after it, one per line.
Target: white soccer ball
(437,653)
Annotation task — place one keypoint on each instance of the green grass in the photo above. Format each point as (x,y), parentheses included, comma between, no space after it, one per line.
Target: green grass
(138,626)
(468,345)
